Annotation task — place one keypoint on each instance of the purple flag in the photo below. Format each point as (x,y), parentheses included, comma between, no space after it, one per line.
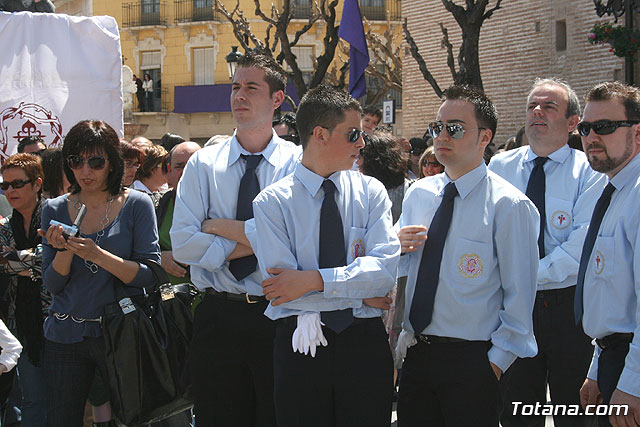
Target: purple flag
(352,31)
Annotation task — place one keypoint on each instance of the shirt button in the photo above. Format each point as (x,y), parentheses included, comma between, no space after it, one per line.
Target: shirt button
(350,304)
(335,292)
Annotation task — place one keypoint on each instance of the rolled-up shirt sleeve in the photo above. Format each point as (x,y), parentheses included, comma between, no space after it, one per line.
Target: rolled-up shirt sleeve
(190,244)
(516,233)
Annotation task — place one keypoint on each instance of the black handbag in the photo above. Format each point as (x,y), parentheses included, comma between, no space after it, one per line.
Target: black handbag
(146,340)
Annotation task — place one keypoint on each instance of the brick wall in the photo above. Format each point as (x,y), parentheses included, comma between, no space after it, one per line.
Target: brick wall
(517,45)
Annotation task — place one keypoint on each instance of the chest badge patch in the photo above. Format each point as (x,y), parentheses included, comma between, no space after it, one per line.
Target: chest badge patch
(356,249)
(560,220)
(470,265)
(598,262)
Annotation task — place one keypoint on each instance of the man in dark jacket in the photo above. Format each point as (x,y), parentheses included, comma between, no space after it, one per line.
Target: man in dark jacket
(27,5)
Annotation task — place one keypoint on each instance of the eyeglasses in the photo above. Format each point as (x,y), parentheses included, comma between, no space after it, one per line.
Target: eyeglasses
(455,130)
(604,127)
(95,162)
(432,164)
(16,183)
(131,164)
(354,135)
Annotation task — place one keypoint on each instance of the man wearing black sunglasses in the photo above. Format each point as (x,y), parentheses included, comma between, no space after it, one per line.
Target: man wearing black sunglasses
(471,283)
(607,301)
(564,188)
(31,144)
(325,242)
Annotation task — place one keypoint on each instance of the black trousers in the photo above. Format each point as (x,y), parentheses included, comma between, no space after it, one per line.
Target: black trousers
(69,371)
(564,355)
(231,362)
(347,384)
(449,385)
(610,366)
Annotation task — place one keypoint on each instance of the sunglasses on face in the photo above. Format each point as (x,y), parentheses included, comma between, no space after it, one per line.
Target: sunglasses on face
(354,135)
(94,162)
(604,127)
(455,130)
(16,183)
(131,164)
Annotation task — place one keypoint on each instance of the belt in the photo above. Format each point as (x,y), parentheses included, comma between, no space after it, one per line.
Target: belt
(432,339)
(556,295)
(293,320)
(249,299)
(614,339)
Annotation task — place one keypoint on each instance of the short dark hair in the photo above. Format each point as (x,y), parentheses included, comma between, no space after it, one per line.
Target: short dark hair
(29,140)
(486,112)
(129,151)
(372,110)
(573,103)
(170,140)
(93,136)
(383,159)
(153,156)
(29,163)
(288,119)
(628,96)
(323,106)
(52,165)
(273,73)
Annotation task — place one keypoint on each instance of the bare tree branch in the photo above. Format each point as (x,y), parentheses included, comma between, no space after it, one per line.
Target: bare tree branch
(489,12)
(449,47)
(420,60)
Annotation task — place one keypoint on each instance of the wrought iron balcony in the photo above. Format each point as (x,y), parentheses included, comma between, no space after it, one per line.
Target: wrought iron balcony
(300,9)
(376,10)
(143,13)
(194,10)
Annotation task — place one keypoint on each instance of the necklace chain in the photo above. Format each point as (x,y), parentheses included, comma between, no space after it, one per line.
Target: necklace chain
(103,222)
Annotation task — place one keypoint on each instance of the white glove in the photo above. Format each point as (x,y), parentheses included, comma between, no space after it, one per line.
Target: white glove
(308,335)
(405,340)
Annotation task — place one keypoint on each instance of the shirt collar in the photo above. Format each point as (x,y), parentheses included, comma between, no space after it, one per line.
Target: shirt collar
(270,153)
(559,156)
(312,181)
(628,174)
(467,182)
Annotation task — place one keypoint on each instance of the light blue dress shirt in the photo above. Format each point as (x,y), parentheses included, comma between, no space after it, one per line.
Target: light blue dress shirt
(572,189)
(612,280)
(487,282)
(287,235)
(209,189)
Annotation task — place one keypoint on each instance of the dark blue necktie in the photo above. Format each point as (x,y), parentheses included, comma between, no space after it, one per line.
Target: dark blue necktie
(249,189)
(535,192)
(589,241)
(332,252)
(429,270)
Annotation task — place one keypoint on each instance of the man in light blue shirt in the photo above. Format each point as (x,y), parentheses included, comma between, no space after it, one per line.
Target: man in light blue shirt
(569,192)
(610,266)
(232,345)
(336,270)
(483,289)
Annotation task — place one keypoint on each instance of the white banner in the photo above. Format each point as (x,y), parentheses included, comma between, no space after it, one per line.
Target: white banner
(56,70)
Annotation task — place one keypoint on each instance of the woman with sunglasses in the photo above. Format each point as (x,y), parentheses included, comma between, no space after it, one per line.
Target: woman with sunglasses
(132,157)
(429,164)
(84,273)
(22,259)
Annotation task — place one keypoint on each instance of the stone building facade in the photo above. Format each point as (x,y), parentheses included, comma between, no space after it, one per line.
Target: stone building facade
(523,40)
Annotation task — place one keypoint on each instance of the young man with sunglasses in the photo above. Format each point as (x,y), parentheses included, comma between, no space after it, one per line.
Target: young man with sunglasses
(471,283)
(324,241)
(607,301)
(564,188)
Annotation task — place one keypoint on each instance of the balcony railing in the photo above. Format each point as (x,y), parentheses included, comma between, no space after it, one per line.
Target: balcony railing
(143,12)
(376,10)
(194,10)
(300,9)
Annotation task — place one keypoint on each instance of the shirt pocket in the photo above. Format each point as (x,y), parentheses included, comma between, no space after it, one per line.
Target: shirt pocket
(355,243)
(471,262)
(602,262)
(559,214)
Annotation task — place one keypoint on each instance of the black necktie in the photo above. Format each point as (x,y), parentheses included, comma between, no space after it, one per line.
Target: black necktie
(332,252)
(429,270)
(249,189)
(535,192)
(589,241)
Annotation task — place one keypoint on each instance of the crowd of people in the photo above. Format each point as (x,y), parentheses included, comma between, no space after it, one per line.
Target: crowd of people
(341,268)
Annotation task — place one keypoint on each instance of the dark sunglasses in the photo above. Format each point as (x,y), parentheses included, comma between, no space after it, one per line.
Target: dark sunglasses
(455,130)
(604,127)
(16,183)
(354,135)
(94,162)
